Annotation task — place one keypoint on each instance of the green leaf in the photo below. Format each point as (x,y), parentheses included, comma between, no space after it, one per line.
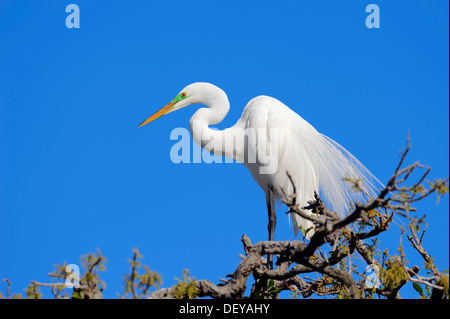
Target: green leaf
(78,295)
(418,288)
(303,230)
(271,284)
(275,291)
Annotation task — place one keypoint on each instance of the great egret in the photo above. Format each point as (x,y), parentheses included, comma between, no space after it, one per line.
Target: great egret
(270,140)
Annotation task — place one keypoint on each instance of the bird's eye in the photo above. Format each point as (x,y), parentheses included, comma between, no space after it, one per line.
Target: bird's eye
(183,94)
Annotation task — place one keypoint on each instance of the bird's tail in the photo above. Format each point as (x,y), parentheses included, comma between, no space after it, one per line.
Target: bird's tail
(323,165)
(342,177)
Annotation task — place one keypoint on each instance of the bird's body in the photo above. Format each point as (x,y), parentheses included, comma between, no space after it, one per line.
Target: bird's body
(273,141)
(261,116)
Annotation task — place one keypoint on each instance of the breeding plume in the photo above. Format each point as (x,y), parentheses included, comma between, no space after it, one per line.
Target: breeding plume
(271,140)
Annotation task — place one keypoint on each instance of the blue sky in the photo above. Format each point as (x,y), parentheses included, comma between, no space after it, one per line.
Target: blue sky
(77,174)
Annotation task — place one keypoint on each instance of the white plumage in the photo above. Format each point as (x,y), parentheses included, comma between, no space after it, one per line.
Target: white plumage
(270,140)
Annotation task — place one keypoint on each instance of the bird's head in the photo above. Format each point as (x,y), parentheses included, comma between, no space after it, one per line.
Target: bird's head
(199,92)
(183,99)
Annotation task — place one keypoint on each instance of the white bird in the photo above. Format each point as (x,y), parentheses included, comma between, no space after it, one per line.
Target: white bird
(270,140)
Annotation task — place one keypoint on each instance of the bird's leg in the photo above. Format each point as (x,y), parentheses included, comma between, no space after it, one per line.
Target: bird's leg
(272,220)
(272,214)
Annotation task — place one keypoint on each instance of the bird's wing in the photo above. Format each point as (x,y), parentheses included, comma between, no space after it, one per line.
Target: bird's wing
(279,153)
(336,169)
(315,162)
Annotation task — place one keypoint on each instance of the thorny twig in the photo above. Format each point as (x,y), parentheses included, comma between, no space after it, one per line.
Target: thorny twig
(333,241)
(376,214)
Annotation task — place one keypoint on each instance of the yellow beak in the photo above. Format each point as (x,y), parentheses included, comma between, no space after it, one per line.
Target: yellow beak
(160,113)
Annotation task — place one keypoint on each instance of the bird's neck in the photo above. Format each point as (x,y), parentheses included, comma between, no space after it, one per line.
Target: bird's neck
(203,135)
(218,107)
